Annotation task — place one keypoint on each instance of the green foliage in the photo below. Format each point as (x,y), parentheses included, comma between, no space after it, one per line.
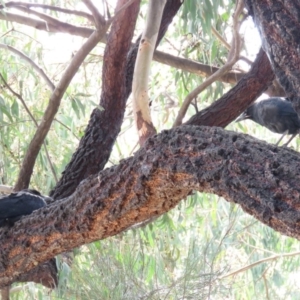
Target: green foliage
(17,127)
(205,248)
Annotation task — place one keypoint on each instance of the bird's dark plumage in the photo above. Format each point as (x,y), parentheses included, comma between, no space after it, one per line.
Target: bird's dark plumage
(276,114)
(16,205)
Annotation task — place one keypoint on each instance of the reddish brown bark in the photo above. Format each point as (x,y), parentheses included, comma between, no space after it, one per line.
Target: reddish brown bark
(262,178)
(45,274)
(279,25)
(96,145)
(145,129)
(104,126)
(233,103)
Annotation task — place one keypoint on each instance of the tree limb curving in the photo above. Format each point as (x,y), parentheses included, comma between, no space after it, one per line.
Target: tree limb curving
(262,178)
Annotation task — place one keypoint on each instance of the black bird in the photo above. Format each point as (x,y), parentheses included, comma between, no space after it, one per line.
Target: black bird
(277,114)
(16,205)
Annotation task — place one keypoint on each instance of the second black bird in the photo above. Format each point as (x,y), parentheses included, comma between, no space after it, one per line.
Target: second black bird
(16,205)
(276,114)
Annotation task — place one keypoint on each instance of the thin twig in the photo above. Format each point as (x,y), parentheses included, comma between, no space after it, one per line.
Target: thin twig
(68,128)
(12,154)
(52,108)
(20,98)
(233,57)
(266,284)
(15,4)
(49,20)
(31,62)
(227,46)
(6,33)
(42,25)
(220,38)
(34,121)
(164,58)
(261,261)
(28,35)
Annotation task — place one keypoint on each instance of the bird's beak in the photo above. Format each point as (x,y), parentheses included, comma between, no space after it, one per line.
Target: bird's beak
(48,200)
(242,117)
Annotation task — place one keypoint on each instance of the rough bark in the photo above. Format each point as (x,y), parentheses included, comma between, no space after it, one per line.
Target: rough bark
(96,145)
(45,274)
(262,178)
(279,26)
(235,101)
(103,126)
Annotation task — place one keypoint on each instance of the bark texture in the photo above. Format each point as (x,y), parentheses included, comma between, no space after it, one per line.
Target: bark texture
(278,22)
(45,274)
(95,146)
(104,126)
(234,102)
(262,178)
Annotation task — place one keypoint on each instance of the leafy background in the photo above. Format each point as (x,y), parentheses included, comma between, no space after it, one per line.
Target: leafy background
(205,248)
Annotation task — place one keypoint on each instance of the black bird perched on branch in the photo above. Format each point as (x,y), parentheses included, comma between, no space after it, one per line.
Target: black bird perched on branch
(277,114)
(16,205)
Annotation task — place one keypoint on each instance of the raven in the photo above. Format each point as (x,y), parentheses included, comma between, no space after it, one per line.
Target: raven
(276,114)
(16,205)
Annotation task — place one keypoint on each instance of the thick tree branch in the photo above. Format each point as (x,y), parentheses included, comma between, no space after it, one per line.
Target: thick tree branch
(279,26)
(52,108)
(262,178)
(95,147)
(120,9)
(103,127)
(235,101)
